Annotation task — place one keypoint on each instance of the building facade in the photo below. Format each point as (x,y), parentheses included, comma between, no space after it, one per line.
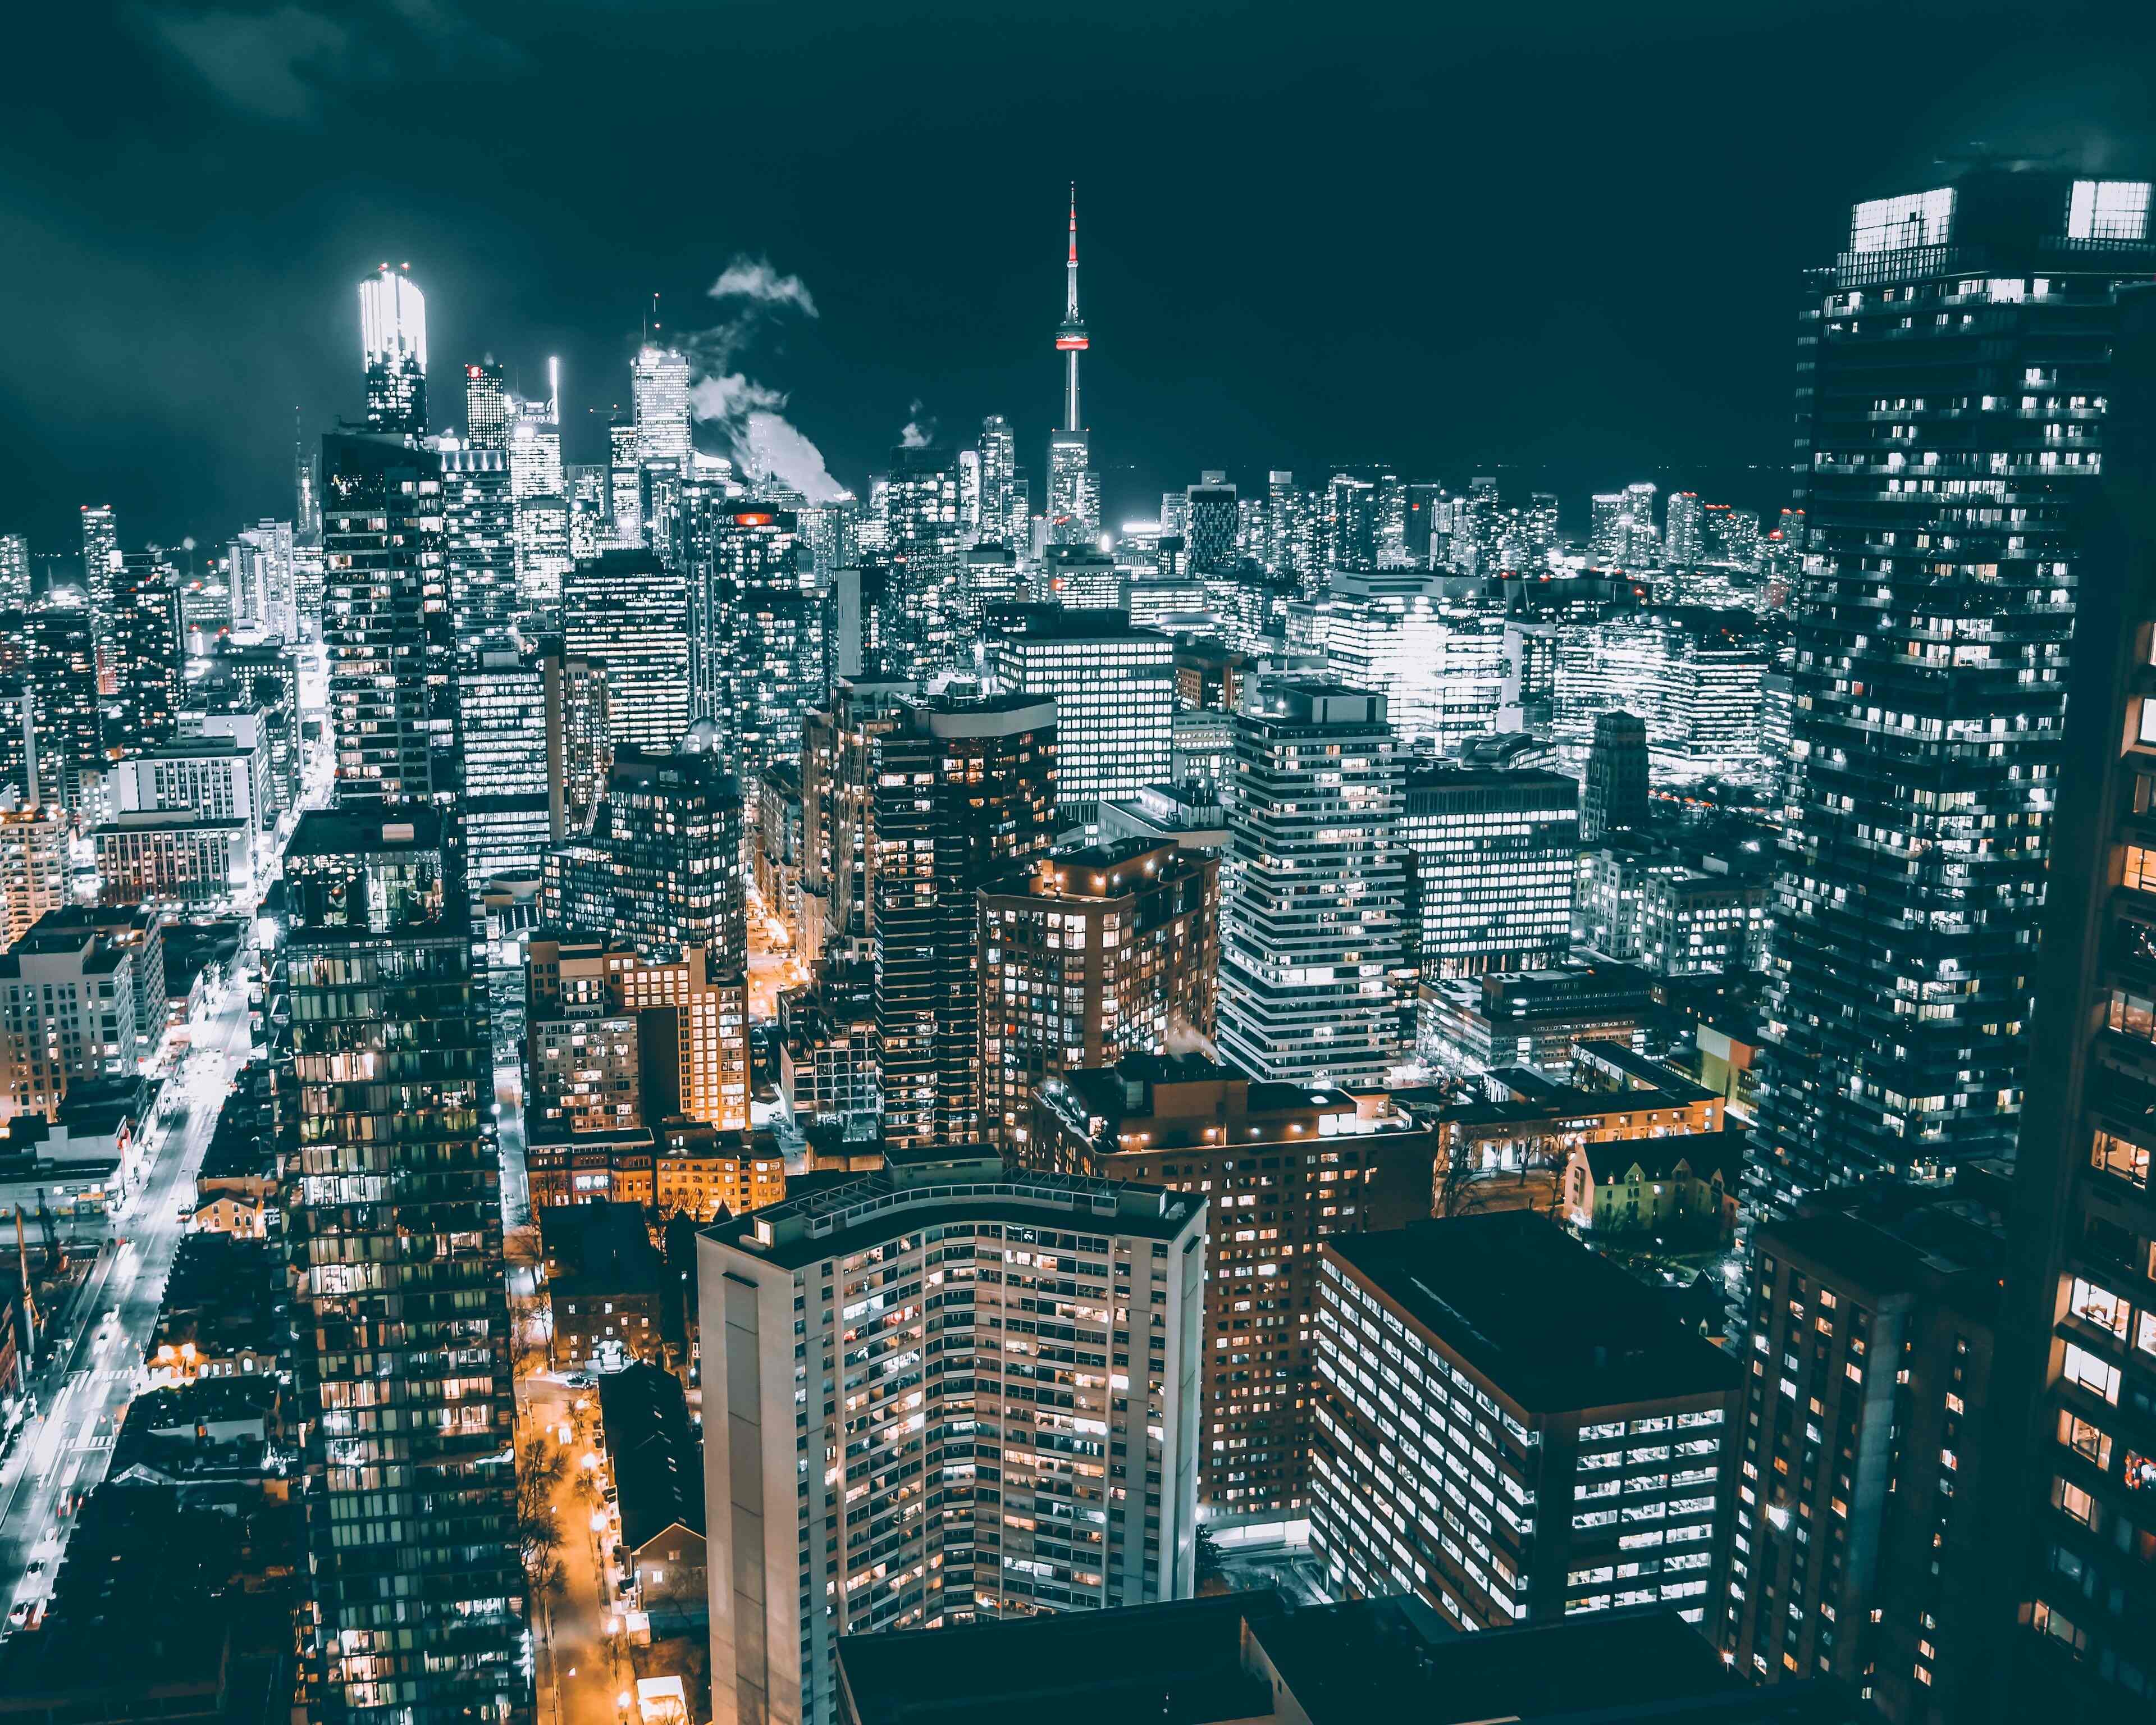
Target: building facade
(1514,1430)
(1491,856)
(1316,886)
(2072,1404)
(628,612)
(844,1498)
(1282,1166)
(965,792)
(414,1605)
(1954,370)
(1088,955)
(1114,690)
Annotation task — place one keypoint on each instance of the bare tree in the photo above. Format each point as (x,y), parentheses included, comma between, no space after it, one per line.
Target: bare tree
(540,1467)
(1452,1185)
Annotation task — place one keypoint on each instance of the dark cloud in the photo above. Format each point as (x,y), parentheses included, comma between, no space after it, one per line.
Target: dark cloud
(281,63)
(270,65)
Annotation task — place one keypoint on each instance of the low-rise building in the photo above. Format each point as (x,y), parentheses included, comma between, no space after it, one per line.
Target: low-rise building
(1682,1190)
(1517,1145)
(603,1166)
(602,1285)
(164,1608)
(222,1314)
(705,1174)
(1186,813)
(1514,1429)
(658,1464)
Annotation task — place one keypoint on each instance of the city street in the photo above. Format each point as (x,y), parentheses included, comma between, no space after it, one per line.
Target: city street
(773,964)
(84,1389)
(583,1668)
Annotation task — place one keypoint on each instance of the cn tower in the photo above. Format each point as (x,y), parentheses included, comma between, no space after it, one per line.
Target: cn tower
(1073,492)
(1070,333)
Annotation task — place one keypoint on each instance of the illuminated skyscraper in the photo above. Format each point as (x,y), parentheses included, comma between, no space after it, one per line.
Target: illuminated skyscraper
(1074,489)
(756,647)
(1002,512)
(1643,545)
(479,538)
(1317,881)
(965,793)
(261,580)
(146,660)
(660,381)
(14,572)
(1209,523)
(1607,525)
(486,407)
(1684,541)
(625,483)
(393,329)
(2071,1461)
(1351,523)
(414,1610)
(926,605)
(59,673)
(628,611)
(1114,690)
(1950,439)
(381,540)
(100,558)
(510,741)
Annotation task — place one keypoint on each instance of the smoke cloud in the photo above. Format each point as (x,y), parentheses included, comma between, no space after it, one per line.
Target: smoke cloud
(730,399)
(777,447)
(750,415)
(754,279)
(919,430)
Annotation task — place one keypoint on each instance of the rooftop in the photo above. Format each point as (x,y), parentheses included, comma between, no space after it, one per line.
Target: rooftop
(1704,1153)
(1551,1325)
(136,1613)
(1902,1239)
(1247,1656)
(658,1457)
(1438,779)
(961,1182)
(357,829)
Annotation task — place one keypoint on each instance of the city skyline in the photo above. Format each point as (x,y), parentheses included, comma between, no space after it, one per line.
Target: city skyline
(704,989)
(1576,360)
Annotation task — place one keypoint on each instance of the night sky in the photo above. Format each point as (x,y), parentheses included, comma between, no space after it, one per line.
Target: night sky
(1559,237)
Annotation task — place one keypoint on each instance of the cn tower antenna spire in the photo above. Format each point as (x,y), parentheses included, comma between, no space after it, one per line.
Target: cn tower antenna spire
(1070,337)
(1070,299)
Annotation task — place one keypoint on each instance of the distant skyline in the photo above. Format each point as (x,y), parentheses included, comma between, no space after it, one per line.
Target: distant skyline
(1566,239)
